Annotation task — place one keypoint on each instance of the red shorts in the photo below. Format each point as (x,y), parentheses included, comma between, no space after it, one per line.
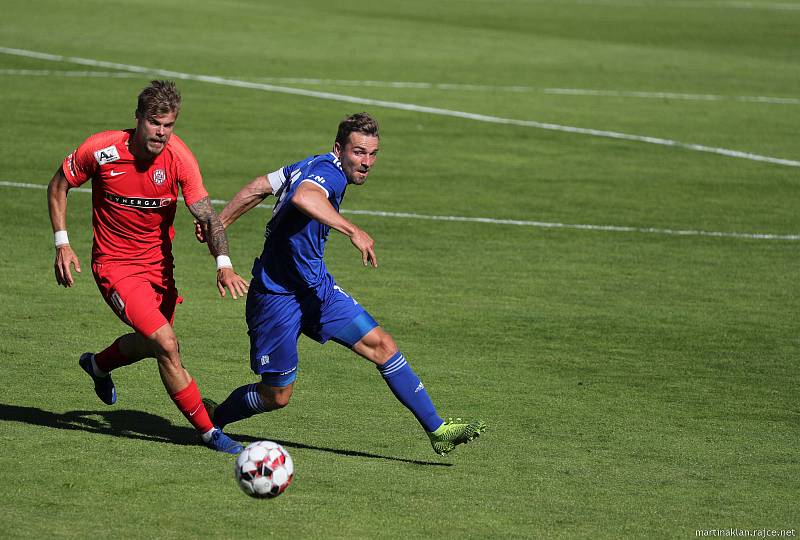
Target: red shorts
(144,300)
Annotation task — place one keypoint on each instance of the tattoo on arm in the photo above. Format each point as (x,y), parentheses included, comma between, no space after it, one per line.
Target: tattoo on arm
(211,225)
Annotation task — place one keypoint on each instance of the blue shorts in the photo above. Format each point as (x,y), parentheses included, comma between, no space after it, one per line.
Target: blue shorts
(275,322)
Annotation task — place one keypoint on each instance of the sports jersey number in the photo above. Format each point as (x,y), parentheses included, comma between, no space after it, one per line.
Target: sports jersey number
(340,290)
(117,302)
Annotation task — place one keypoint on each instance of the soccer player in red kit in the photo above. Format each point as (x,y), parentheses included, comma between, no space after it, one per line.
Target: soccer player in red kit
(136,175)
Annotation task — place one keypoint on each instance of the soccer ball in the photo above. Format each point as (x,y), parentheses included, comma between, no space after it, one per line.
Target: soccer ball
(264,469)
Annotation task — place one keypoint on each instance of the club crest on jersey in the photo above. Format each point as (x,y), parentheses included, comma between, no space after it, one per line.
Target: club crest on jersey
(106,155)
(159,176)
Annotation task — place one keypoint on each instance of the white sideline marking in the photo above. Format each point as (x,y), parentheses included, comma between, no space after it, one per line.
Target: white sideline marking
(401,106)
(68,73)
(493,221)
(671,95)
(438,86)
(732,4)
(520,89)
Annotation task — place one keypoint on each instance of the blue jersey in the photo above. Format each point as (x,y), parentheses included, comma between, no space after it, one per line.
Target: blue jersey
(294,245)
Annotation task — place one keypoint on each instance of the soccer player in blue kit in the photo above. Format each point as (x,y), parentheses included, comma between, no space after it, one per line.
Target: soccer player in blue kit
(292,292)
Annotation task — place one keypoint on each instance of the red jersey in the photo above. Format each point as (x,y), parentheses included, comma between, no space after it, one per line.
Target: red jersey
(134,202)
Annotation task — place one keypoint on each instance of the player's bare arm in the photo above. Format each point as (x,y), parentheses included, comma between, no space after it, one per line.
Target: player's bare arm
(211,226)
(250,196)
(245,200)
(311,200)
(213,230)
(57,205)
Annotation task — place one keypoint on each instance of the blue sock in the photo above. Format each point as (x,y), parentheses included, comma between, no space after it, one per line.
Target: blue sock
(407,388)
(243,402)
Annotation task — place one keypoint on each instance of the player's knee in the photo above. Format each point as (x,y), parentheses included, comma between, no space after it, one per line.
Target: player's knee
(377,346)
(280,400)
(167,349)
(384,347)
(274,398)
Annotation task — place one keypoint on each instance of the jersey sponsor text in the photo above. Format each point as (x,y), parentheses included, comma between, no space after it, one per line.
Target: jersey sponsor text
(139,202)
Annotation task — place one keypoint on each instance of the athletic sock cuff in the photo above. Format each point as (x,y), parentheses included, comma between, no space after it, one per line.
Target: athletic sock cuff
(190,389)
(393,365)
(253,399)
(111,357)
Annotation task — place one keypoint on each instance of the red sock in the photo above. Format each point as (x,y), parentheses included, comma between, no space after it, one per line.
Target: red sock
(111,358)
(190,404)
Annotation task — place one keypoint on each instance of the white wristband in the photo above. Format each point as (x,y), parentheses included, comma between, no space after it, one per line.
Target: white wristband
(223,261)
(276,180)
(61,238)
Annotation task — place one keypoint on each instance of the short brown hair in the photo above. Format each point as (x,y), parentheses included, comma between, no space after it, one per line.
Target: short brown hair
(356,123)
(160,97)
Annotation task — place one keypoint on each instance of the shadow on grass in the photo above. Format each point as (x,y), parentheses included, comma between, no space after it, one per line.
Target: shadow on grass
(150,427)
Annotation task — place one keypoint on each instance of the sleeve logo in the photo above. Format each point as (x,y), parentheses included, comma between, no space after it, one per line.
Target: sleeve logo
(71,163)
(106,155)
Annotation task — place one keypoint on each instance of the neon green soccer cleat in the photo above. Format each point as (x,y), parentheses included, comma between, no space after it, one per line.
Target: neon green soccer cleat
(455,432)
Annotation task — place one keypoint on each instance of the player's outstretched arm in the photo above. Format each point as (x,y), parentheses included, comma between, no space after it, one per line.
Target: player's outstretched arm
(209,221)
(245,200)
(311,200)
(57,205)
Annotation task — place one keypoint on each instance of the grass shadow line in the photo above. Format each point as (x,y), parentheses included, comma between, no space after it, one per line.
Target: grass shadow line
(150,427)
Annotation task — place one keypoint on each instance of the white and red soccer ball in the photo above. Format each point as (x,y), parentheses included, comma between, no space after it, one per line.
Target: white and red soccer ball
(264,469)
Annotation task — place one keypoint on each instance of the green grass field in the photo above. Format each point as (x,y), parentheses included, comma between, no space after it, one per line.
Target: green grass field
(637,381)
